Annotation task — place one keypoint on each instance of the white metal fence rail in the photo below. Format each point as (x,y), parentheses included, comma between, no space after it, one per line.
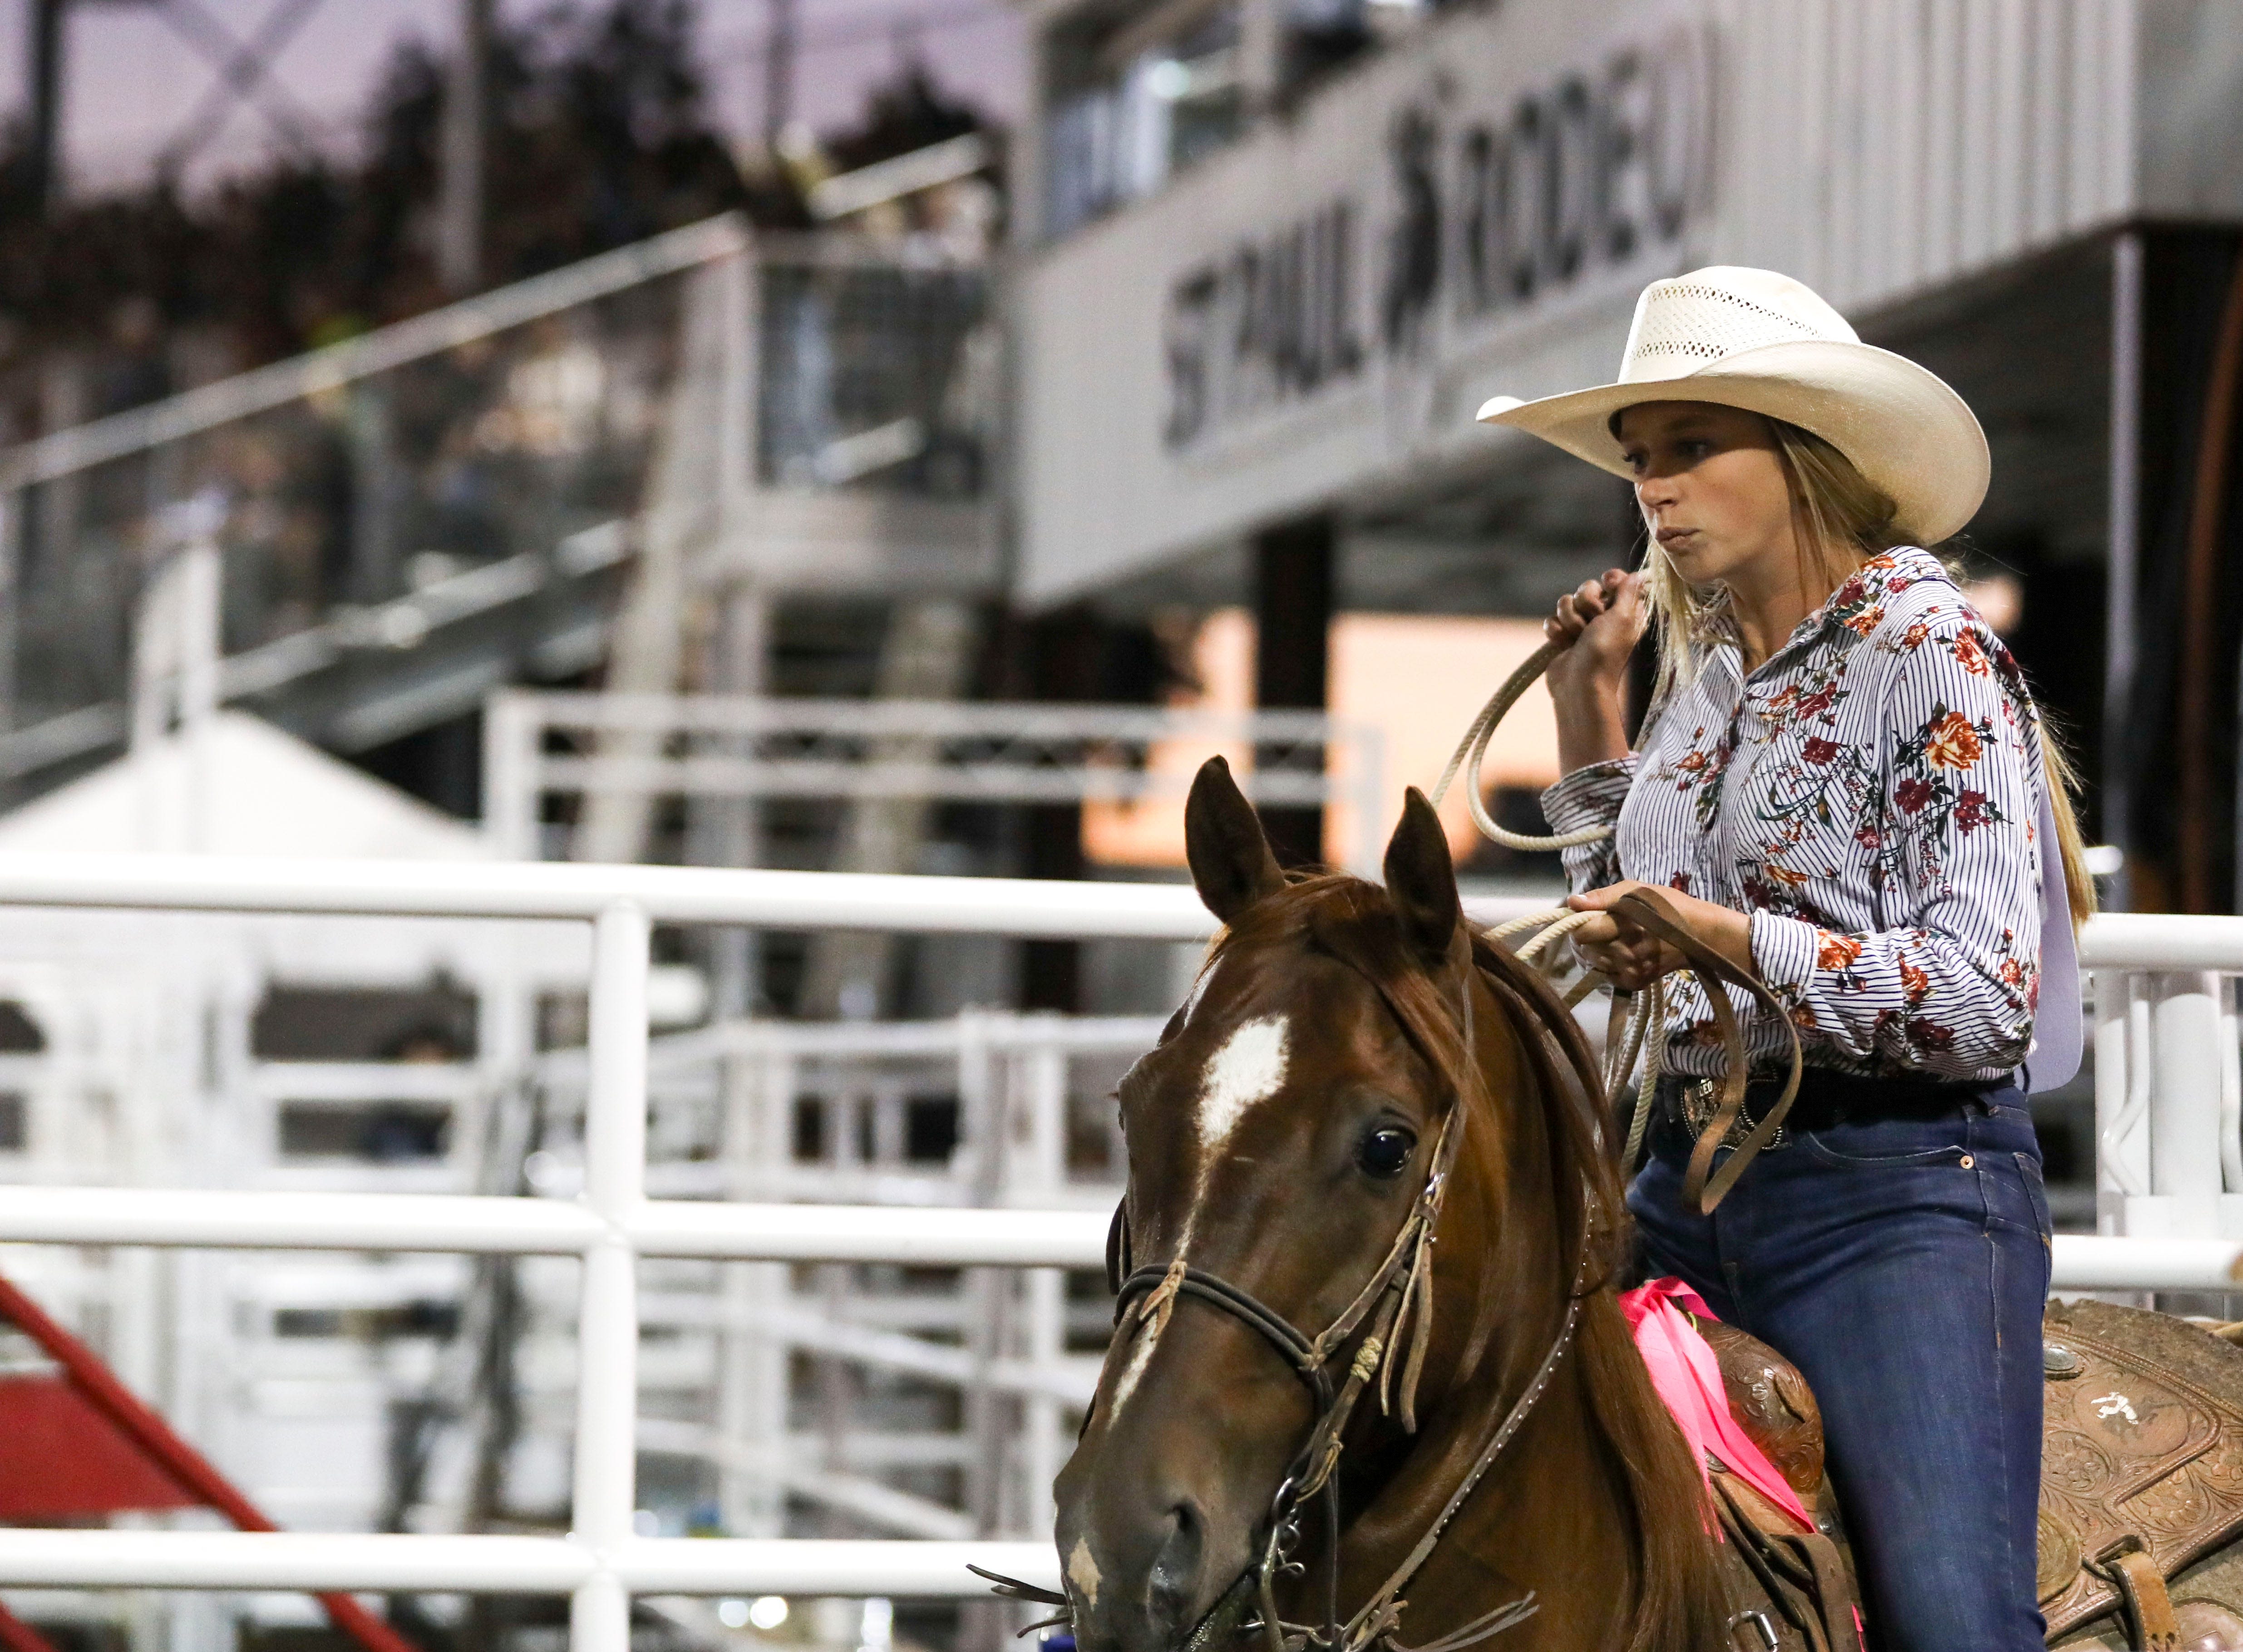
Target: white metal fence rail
(601,1564)
(979,752)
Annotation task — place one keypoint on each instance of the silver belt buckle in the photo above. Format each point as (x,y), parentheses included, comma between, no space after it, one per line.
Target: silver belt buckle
(1700,1104)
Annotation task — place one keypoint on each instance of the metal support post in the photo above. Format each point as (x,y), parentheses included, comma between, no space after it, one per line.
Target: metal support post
(2125,493)
(752,1378)
(2184,1104)
(43,146)
(779,72)
(11,599)
(1293,564)
(377,485)
(740,661)
(606,1324)
(2122,1100)
(2231,1105)
(1045,1174)
(510,784)
(980,1139)
(464,139)
(987,1129)
(1044,1330)
(199,647)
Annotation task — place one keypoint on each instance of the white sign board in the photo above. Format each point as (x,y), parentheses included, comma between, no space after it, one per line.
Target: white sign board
(1303,308)
(1312,315)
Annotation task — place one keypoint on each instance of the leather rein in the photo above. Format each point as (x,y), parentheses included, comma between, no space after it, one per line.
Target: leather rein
(1397,1290)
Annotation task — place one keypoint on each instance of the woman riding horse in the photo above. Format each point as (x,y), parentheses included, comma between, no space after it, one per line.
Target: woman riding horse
(1844,785)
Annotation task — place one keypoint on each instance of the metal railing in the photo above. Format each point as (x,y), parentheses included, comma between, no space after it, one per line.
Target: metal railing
(544,745)
(2168,1092)
(600,1563)
(376,502)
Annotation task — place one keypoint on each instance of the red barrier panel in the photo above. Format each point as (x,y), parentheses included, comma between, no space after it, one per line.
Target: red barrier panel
(169,1460)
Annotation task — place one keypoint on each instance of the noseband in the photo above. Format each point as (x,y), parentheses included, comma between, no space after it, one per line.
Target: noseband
(1401,1283)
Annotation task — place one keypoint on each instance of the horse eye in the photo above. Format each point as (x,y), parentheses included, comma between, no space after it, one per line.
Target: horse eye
(1385,1151)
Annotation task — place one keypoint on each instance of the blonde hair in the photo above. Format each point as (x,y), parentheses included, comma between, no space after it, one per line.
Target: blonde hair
(1840,519)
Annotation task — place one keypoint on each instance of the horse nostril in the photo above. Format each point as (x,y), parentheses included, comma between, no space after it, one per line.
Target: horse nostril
(1174,1580)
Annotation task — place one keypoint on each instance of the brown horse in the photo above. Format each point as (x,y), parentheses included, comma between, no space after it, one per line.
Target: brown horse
(1345,1047)
(1353,1071)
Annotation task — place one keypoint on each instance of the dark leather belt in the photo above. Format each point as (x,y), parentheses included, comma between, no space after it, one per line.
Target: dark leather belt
(1827,1098)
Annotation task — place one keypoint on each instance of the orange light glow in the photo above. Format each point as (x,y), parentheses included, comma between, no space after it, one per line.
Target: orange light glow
(1417,679)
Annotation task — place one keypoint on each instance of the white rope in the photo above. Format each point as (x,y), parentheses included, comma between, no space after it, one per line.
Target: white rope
(1470,756)
(1560,922)
(1620,1059)
(1646,1023)
(1503,931)
(1650,1030)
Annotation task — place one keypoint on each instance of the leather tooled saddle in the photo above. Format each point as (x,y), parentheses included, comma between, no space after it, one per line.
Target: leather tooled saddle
(1795,1590)
(2141,1490)
(2141,1476)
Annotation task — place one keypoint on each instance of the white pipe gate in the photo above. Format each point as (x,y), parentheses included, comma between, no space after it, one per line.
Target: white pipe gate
(600,1563)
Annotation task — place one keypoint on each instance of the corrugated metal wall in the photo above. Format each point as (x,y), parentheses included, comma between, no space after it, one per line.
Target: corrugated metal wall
(1874,147)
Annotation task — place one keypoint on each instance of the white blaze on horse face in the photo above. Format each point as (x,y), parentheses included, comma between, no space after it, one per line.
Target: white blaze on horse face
(1250,1067)
(1140,1357)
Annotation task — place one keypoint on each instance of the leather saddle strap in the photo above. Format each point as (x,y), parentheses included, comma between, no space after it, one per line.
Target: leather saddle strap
(1701,1185)
(1773,1570)
(1831,1597)
(1807,1562)
(2128,1563)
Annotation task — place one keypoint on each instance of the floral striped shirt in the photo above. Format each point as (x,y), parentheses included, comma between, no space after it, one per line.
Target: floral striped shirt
(1870,795)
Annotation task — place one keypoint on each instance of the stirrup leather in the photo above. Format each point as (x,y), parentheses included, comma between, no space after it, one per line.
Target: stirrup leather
(2127,1563)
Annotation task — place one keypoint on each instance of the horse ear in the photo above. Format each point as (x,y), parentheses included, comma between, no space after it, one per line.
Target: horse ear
(1230,860)
(1421,879)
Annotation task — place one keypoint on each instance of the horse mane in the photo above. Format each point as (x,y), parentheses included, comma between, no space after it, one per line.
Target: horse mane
(1680,1603)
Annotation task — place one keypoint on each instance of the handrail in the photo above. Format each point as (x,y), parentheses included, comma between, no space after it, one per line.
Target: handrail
(2175,941)
(920,719)
(918,1236)
(1027,906)
(262,389)
(1014,906)
(386,1562)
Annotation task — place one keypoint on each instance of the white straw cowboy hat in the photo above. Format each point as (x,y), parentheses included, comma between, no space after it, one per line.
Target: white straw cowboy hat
(1756,339)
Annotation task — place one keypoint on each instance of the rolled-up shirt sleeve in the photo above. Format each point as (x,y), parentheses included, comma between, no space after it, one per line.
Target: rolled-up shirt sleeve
(1591,796)
(1949,827)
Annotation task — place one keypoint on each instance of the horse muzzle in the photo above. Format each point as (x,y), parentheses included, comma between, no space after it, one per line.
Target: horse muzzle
(1139,1579)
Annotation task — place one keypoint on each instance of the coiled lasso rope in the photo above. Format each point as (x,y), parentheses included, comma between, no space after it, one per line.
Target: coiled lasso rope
(1645,1033)
(1638,1024)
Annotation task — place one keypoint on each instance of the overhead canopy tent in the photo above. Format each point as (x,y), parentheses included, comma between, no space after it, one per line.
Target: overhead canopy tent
(237,785)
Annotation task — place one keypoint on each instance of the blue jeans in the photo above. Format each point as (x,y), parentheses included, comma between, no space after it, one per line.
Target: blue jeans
(1902,1265)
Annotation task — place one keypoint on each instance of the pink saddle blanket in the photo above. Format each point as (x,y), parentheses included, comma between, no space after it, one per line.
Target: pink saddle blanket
(1688,1377)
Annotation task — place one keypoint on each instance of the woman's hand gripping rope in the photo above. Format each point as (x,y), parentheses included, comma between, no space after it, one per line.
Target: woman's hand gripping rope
(1636,1026)
(1633,935)
(1624,1036)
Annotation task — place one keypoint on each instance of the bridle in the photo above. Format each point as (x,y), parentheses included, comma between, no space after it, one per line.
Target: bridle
(1396,1304)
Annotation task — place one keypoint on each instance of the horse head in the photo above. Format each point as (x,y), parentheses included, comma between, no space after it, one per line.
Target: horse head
(1339,1052)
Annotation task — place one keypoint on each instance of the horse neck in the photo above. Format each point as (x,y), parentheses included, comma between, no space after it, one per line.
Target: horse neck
(1594,1505)
(1497,1315)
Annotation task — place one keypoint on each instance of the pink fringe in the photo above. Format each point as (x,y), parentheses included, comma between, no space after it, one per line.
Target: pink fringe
(1688,1377)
